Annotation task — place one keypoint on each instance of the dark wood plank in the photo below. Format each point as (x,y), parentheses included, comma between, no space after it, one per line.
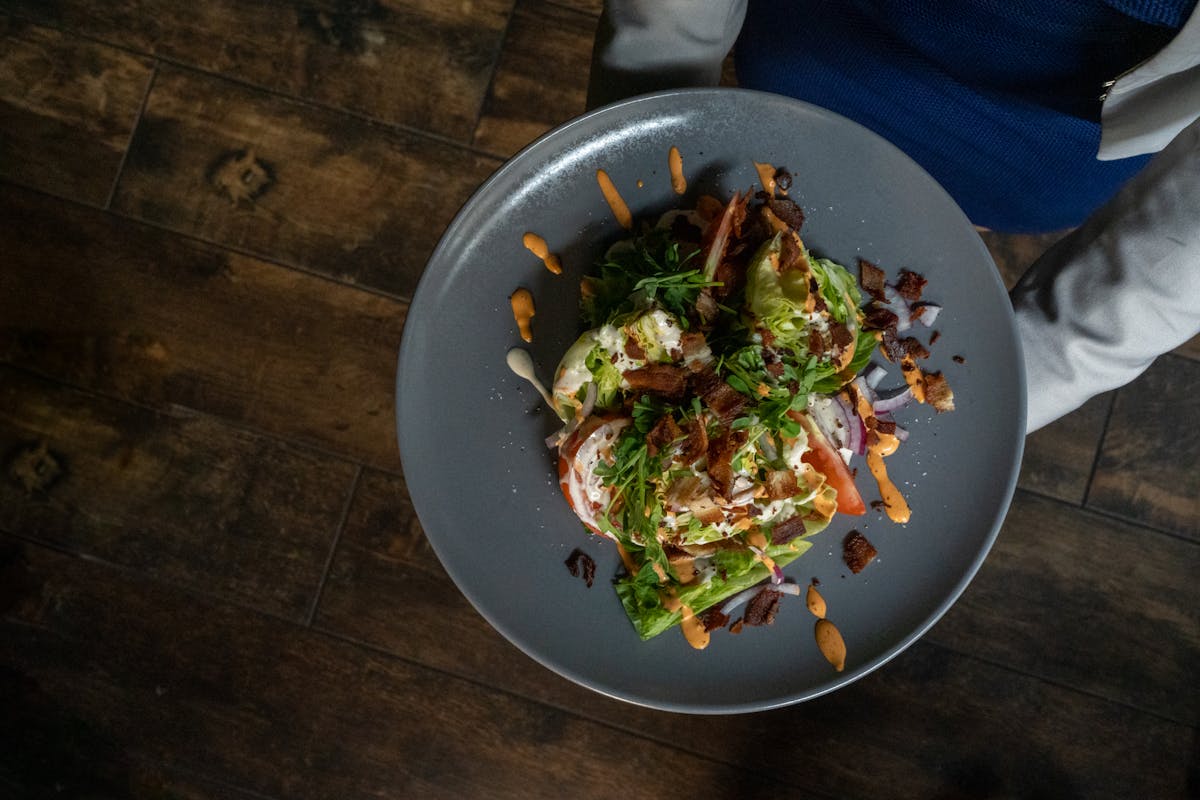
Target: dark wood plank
(143,314)
(1189,349)
(67,109)
(176,496)
(1147,470)
(1064,590)
(932,723)
(273,708)
(1059,458)
(541,80)
(1015,252)
(297,184)
(408,62)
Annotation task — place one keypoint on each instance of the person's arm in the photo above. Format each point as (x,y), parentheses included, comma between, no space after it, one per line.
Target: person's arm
(1100,305)
(645,45)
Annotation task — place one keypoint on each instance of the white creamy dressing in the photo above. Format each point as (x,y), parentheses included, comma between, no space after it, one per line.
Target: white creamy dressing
(521,363)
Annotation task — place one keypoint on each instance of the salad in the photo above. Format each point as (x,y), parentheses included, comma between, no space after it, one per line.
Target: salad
(713,405)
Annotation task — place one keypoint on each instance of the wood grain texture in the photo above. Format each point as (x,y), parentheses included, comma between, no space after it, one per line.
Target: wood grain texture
(1015,252)
(932,723)
(67,109)
(1059,458)
(541,79)
(176,496)
(405,62)
(1063,591)
(1149,467)
(294,183)
(143,314)
(292,713)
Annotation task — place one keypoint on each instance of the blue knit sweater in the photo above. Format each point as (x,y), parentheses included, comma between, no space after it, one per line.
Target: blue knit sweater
(998,99)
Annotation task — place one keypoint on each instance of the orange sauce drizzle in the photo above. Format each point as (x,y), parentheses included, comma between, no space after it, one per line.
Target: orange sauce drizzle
(913,377)
(815,603)
(692,627)
(537,245)
(675,160)
(522,307)
(766,176)
(880,445)
(830,643)
(613,198)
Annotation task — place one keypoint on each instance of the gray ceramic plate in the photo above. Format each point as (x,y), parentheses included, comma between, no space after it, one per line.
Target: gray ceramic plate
(485,487)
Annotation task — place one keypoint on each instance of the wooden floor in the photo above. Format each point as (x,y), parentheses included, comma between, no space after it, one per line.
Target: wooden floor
(212,215)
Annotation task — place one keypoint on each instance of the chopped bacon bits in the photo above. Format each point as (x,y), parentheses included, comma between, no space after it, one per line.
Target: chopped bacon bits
(791,256)
(580,564)
(763,607)
(883,425)
(910,285)
(871,278)
(958,359)
(934,337)
(661,379)
(713,619)
(718,395)
(664,432)
(633,349)
(696,443)
(787,530)
(938,393)
(879,318)
(720,458)
(857,552)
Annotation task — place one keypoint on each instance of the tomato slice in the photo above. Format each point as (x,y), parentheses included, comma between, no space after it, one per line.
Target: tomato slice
(578,456)
(823,458)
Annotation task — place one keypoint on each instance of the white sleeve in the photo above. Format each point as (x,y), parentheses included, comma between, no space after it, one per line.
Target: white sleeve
(1100,305)
(644,45)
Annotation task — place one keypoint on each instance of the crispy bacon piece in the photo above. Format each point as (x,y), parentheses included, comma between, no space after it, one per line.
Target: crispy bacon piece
(718,395)
(580,564)
(791,255)
(857,552)
(696,443)
(783,179)
(720,458)
(879,318)
(665,380)
(872,279)
(884,425)
(781,484)
(662,434)
(787,530)
(841,335)
(785,208)
(910,285)
(938,393)
(763,607)
(633,349)
(713,619)
(897,349)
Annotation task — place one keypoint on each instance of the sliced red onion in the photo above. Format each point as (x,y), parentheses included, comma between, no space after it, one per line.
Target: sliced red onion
(874,375)
(900,433)
(776,572)
(926,313)
(898,306)
(788,586)
(886,404)
(856,432)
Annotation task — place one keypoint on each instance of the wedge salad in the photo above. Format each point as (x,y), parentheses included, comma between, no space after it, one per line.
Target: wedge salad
(713,405)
